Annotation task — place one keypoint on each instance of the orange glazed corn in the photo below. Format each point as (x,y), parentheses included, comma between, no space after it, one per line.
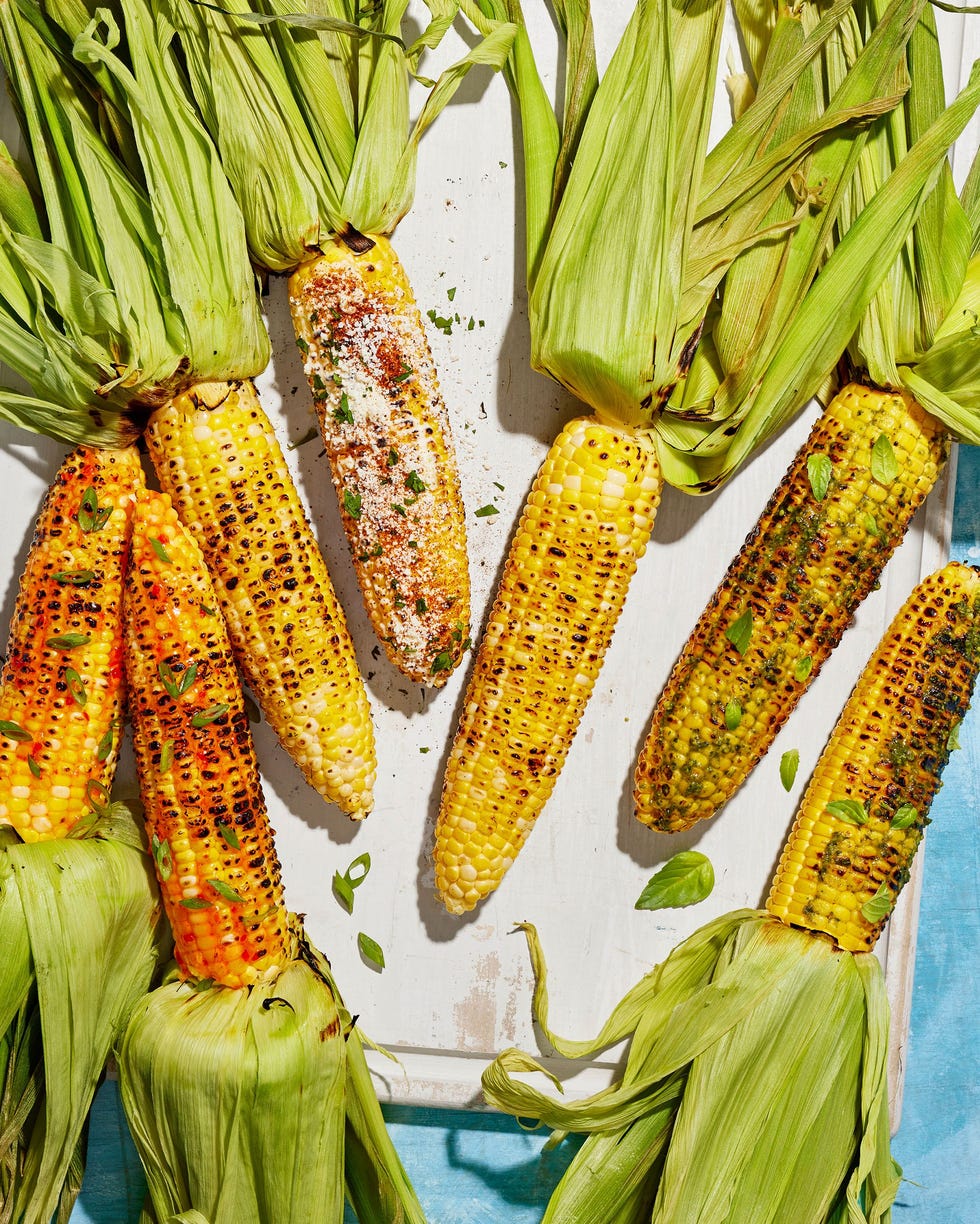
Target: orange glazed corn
(387,437)
(585,525)
(199,781)
(815,554)
(61,690)
(864,811)
(216,454)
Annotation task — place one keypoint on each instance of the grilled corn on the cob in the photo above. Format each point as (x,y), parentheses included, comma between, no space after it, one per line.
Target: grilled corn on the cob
(216,454)
(817,551)
(864,811)
(62,688)
(204,810)
(585,525)
(387,436)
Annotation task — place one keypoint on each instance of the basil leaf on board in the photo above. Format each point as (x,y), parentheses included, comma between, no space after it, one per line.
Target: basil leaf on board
(685,879)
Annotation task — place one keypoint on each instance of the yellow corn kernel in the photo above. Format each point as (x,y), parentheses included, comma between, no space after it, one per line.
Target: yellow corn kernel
(205,812)
(786,600)
(387,436)
(563,587)
(862,816)
(216,454)
(61,690)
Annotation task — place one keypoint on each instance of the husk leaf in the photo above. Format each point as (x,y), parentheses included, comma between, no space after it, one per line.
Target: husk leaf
(323,112)
(771,1030)
(378,1188)
(81,920)
(235,1100)
(699,456)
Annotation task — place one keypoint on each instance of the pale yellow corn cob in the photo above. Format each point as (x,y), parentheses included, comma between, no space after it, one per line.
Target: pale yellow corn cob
(865,808)
(585,525)
(62,689)
(216,454)
(387,437)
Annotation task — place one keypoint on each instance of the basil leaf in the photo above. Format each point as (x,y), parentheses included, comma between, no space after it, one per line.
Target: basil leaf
(789,763)
(871,525)
(819,469)
(905,816)
(851,811)
(740,633)
(802,668)
(733,715)
(685,879)
(880,905)
(370,950)
(884,465)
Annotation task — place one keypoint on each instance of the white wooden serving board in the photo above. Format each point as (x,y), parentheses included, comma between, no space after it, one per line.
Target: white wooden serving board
(456,991)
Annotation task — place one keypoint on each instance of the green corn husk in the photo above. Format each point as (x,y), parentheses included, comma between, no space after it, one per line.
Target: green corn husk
(893,298)
(311,114)
(101,330)
(257,1105)
(235,1099)
(748,1033)
(80,924)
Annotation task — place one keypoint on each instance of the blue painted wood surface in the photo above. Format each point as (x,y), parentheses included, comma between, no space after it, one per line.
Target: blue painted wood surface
(483,1169)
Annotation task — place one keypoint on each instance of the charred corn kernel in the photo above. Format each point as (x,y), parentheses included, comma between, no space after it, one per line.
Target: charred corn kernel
(199,782)
(782,607)
(585,525)
(216,454)
(62,690)
(387,437)
(862,816)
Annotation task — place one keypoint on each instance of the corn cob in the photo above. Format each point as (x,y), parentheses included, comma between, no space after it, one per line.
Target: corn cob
(864,811)
(62,690)
(585,525)
(199,782)
(817,551)
(216,454)
(386,433)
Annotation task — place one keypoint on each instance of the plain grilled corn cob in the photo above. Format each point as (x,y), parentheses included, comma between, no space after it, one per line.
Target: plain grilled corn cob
(216,454)
(817,551)
(199,782)
(585,525)
(386,433)
(864,811)
(62,689)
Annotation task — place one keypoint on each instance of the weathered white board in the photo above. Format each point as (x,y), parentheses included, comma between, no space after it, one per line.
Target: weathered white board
(456,991)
